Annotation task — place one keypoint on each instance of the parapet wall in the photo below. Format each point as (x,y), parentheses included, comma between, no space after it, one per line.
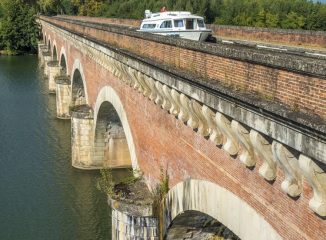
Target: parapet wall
(295,81)
(274,35)
(118,21)
(283,36)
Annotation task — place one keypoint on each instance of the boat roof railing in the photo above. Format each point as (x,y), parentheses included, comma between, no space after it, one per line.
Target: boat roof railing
(170,14)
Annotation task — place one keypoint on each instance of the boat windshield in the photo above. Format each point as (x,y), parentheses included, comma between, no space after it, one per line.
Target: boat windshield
(190,23)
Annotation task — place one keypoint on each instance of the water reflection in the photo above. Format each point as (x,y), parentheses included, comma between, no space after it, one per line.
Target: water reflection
(42,196)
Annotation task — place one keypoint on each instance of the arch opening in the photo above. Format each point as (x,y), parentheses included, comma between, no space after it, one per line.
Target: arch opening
(44,39)
(192,224)
(63,64)
(219,203)
(54,53)
(110,142)
(49,45)
(78,90)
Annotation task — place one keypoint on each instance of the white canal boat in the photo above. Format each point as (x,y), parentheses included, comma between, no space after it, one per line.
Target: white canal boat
(176,24)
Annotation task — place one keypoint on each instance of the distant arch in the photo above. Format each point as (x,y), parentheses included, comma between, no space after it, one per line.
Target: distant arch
(79,94)
(49,44)
(108,95)
(219,203)
(63,61)
(44,39)
(54,51)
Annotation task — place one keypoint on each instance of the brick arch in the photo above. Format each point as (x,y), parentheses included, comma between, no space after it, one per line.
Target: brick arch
(64,54)
(77,66)
(108,94)
(44,37)
(49,41)
(219,203)
(54,47)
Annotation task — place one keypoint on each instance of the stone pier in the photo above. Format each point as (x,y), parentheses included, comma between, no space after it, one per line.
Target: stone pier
(132,214)
(46,58)
(41,48)
(63,96)
(82,123)
(53,71)
(110,146)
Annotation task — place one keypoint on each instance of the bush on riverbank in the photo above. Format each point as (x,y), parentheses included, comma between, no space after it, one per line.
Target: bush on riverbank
(18,28)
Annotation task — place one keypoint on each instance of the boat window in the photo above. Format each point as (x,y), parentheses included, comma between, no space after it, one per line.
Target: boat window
(200,23)
(149,26)
(189,23)
(166,24)
(178,23)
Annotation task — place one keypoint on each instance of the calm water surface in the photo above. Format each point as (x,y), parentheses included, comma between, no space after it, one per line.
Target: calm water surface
(41,195)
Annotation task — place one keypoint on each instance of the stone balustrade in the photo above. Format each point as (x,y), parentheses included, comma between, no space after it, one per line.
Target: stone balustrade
(232,136)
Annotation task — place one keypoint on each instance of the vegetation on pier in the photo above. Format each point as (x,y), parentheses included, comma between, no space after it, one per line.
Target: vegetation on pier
(288,14)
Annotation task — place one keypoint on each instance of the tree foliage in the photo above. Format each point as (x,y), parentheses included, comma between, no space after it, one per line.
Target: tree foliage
(290,14)
(18,28)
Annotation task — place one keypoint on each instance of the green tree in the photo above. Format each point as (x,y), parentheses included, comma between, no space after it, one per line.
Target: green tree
(293,21)
(18,30)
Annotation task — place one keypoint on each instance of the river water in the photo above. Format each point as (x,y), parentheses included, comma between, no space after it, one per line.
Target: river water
(41,195)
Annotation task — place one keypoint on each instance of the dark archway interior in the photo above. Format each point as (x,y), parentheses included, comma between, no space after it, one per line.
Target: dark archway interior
(111,147)
(54,55)
(63,65)
(45,39)
(49,46)
(198,225)
(78,90)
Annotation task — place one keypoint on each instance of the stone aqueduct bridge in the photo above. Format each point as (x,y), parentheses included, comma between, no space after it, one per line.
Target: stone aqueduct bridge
(241,131)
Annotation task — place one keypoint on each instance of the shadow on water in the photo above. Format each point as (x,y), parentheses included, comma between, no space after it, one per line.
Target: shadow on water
(42,196)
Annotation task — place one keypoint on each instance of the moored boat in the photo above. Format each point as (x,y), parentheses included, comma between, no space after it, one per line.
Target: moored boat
(176,24)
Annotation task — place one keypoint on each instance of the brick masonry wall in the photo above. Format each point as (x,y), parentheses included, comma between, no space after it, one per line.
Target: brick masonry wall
(171,144)
(283,36)
(118,21)
(298,91)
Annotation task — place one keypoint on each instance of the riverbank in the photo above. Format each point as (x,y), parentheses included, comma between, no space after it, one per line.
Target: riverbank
(15,53)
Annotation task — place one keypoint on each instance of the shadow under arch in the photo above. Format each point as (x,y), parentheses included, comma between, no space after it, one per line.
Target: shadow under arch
(109,115)
(219,203)
(49,44)
(63,62)
(54,53)
(78,86)
(198,225)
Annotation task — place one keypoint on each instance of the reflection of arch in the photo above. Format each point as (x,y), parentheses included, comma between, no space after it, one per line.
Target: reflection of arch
(79,94)
(54,51)
(219,203)
(108,94)
(63,61)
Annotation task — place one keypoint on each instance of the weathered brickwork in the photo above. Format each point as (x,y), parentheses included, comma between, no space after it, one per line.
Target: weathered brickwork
(297,90)
(118,21)
(162,140)
(285,36)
